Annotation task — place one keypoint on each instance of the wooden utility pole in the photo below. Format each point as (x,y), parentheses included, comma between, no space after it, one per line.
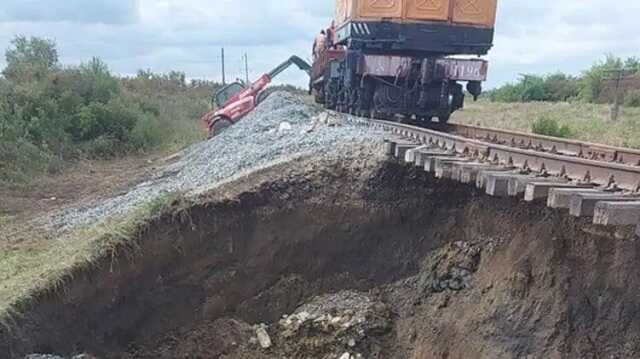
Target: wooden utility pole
(246,68)
(223,74)
(617,75)
(615,110)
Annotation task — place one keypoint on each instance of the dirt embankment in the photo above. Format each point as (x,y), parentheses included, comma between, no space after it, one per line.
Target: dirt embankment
(341,259)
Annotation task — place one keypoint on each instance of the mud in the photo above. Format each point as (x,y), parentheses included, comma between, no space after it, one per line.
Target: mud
(351,258)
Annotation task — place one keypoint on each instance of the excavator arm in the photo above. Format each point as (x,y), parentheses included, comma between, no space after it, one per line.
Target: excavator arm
(235,101)
(293,60)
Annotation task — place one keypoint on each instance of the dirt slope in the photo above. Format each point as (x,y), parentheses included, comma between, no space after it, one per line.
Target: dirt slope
(366,259)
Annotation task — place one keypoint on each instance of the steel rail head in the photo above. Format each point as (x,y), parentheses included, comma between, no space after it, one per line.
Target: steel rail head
(551,163)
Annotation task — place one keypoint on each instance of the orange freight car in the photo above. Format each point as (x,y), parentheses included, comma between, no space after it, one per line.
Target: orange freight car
(443,26)
(471,12)
(391,59)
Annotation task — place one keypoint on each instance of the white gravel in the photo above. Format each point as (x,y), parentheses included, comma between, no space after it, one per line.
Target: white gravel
(281,128)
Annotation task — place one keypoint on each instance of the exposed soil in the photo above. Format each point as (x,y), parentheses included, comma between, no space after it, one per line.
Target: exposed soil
(367,259)
(82,182)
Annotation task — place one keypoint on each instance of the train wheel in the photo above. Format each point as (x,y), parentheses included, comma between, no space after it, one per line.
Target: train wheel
(381,116)
(444,118)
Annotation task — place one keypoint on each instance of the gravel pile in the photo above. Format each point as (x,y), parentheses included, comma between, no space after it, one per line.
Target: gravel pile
(281,128)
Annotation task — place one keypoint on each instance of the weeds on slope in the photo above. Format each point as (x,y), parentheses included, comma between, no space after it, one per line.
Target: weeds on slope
(32,268)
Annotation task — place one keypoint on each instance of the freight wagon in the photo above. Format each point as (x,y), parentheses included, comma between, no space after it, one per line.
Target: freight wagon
(390,58)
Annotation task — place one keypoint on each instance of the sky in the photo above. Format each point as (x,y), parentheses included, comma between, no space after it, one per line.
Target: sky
(540,36)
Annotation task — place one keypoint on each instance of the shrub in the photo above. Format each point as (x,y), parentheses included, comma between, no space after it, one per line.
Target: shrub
(51,114)
(20,160)
(147,133)
(113,120)
(554,88)
(549,127)
(632,99)
(592,86)
(595,81)
(30,59)
(561,87)
(103,147)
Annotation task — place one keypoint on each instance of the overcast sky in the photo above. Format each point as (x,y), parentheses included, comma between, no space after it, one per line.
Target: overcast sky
(531,36)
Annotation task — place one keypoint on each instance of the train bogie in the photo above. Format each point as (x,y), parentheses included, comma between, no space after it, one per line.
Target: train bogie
(385,86)
(390,58)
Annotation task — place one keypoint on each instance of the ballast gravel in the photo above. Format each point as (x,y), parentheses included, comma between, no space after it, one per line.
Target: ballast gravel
(281,128)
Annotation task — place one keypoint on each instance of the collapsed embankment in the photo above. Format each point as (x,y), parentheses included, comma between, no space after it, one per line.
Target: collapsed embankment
(447,273)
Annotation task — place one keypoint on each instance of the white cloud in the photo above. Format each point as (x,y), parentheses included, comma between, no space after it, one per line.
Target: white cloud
(531,37)
(105,11)
(548,35)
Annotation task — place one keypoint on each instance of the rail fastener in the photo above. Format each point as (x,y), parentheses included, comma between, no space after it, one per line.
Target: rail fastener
(578,169)
(568,147)
(566,182)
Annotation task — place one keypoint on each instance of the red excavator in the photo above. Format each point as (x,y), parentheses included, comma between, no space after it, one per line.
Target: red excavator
(234,101)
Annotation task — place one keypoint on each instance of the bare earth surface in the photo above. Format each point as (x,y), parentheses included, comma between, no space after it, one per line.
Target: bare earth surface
(344,254)
(352,258)
(82,182)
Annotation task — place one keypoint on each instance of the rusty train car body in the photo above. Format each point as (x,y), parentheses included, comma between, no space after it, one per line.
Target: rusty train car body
(401,57)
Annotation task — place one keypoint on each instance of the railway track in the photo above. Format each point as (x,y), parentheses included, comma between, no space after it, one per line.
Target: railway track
(548,144)
(590,180)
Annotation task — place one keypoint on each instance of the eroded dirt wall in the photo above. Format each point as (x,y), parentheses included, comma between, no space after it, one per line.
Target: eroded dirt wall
(465,275)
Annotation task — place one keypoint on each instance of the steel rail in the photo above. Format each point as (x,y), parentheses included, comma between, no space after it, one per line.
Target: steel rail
(549,144)
(602,173)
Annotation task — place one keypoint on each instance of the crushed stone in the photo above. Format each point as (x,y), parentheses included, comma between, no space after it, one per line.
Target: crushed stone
(281,128)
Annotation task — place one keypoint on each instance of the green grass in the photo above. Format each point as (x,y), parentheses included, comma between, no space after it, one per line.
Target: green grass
(588,122)
(37,266)
(5,219)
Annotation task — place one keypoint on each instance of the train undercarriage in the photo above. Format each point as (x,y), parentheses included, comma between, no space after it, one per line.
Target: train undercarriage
(386,69)
(416,89)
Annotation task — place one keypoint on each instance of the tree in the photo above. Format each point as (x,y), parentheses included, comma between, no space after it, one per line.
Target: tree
(561,87)
(100,85)
(594,80)
(30,59)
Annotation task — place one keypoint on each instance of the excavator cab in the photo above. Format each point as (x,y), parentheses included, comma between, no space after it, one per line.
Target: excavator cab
(225,93)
